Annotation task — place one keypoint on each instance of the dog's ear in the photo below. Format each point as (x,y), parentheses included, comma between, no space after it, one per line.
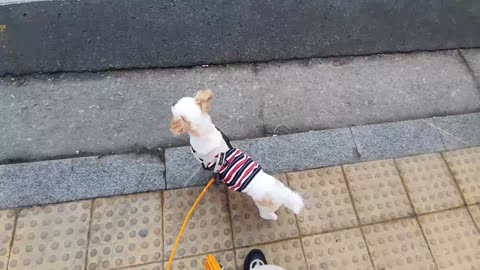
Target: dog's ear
(181,125)
(178,126)
(204,100)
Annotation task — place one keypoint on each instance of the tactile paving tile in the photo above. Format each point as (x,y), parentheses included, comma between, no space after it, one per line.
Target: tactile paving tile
(377,191)
(209,227)
(327,202)
(429,183)
(225,258)
(150,266)
(398,245)
(7,220)
(250,229)
(465,167)
(339,250)
(287,254)
(126,231)
(475,212)
(51,237)
(453,239)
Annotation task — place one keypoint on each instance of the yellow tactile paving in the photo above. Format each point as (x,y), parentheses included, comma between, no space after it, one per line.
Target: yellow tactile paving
(453,239)
(51,237)
(339,250)
(465,167)
(7,220)
(287,254)
(429,183)
(150,266)
(136,232)
(377,191)
(225,258)
(398,245)
(327,202)
(209,228)
(250,229)
(475,212)
(126,231)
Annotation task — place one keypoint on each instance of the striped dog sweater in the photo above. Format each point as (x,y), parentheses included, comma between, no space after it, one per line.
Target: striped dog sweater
(237,171)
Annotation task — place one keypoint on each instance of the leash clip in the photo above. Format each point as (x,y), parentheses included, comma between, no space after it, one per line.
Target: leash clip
(218,166)
(218,181)
(219,163)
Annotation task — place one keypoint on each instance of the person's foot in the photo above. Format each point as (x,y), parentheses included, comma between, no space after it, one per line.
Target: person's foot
(254,258)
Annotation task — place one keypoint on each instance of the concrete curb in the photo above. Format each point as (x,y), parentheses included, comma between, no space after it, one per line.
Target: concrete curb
(397,139)
(91,35)
(62,180)
(276,154)
(459,131)
(80,178)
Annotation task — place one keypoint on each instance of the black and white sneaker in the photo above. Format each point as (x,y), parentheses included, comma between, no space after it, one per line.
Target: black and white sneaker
(254,258)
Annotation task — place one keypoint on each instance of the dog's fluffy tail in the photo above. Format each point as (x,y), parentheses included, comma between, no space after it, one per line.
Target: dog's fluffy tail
(293,201)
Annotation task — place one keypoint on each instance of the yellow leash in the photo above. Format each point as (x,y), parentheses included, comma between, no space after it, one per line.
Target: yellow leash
(210,263)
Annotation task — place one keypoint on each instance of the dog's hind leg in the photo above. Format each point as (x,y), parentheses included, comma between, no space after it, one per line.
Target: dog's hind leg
(266,213)
(267,208)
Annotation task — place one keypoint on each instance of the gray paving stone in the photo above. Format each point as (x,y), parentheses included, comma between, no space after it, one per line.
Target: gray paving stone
(472,57)
(277,154)
(55,181)
(340,92)
(183,170)
(398,139)
(459,131)
(301,151)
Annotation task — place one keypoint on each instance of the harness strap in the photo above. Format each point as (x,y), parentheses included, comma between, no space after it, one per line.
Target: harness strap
(225,138)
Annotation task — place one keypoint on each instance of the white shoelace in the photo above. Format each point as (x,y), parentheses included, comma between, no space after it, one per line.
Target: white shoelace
(256,263)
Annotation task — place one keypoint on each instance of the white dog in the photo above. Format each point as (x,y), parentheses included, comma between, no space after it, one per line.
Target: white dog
(213,150)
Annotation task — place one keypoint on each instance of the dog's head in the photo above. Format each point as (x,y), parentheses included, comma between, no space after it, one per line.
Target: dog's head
(190,113)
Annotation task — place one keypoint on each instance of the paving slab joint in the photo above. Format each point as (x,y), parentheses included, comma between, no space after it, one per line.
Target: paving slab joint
(469,69)
(92,205)
(471,215)
(465,204)
(298,226)
(437,129)
(261,110)
(230,219)
(17,212)
(454,179)
(405,187)
(357,153)
(359,226)
(426,241)
(161,156)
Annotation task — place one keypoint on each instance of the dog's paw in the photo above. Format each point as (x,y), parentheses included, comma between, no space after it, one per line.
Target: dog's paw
(269,216)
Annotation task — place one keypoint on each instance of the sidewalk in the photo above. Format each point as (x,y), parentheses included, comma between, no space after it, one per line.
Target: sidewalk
(420,212)
(66,115)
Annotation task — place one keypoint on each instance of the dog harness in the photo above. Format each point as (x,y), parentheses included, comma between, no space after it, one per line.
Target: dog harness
(234,168)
